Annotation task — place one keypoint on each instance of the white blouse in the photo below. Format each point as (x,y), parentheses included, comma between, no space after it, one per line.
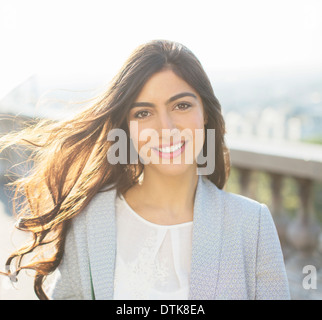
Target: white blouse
(152,261)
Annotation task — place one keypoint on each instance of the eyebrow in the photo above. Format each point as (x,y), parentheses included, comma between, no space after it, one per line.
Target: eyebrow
(176,97)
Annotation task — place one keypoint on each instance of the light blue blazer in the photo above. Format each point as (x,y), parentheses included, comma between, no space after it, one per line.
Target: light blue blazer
(236,253)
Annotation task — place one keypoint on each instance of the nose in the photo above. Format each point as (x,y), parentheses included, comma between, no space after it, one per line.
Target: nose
(167,128)
(165,121)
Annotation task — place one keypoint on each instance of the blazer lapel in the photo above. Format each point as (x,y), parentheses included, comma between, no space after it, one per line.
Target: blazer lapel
(206,240)
(101,233)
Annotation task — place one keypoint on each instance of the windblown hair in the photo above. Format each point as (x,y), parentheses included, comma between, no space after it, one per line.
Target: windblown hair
(69,157)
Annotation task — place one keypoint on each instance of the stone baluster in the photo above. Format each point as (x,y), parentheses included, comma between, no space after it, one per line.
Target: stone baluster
(244,181)
(303,231)
(280,219)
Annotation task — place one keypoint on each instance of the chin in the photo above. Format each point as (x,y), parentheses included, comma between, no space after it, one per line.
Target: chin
(172,170)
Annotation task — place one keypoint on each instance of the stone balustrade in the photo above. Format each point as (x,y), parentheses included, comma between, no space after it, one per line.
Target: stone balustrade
(302,162)
(301,235)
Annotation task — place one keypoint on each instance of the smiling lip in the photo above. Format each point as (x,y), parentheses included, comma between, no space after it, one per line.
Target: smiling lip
(170,151)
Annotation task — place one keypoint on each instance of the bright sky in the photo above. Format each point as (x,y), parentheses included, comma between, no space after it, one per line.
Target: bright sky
(95,37)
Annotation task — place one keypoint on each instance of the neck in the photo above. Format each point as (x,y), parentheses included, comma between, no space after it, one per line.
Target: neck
(173,194)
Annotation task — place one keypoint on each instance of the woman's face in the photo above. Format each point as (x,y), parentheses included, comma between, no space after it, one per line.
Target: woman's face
(166,124)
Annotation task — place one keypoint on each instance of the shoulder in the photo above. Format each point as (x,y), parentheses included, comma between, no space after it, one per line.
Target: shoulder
(244,220)
(92,216)
(240,206)
(101,202)
(233,204)
(238,210)
(87,231)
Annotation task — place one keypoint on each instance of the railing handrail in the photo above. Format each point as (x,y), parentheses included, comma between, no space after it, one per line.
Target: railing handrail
(297,159)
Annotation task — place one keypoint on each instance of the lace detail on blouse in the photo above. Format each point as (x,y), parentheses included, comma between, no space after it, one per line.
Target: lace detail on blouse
(152,261)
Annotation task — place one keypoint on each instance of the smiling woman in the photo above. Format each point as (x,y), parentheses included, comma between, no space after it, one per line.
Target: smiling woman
(143,229)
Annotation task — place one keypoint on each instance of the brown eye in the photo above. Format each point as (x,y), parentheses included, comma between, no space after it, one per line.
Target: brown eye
(141,114)
(182,106)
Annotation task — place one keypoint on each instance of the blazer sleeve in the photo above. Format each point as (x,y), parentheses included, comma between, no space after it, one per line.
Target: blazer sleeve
(65,284)
(271,277)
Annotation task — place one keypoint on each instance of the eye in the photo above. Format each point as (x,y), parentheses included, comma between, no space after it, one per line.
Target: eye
(183,106)
(141,114)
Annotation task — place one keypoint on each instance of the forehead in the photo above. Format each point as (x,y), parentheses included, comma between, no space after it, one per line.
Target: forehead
(162,85)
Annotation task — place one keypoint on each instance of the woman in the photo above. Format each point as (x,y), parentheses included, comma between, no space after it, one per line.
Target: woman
(155,226)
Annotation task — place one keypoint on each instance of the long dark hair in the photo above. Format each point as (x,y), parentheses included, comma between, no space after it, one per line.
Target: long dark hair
(69,157)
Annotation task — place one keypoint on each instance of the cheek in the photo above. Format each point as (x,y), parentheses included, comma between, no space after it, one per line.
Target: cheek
(196,120)
(142,136)
(195,130)
(198,127)
(136,135)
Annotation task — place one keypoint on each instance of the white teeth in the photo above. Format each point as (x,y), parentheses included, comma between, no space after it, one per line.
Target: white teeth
(172,148)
